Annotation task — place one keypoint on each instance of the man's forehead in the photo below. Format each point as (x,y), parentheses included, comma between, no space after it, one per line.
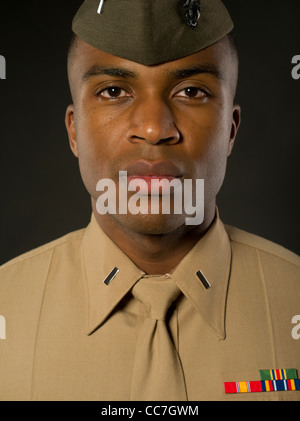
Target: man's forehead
(93,62)
(151,32)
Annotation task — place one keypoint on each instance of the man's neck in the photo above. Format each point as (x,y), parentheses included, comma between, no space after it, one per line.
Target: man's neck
(154,254)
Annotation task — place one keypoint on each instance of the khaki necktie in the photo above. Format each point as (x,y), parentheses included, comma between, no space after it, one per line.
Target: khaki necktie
(157,373)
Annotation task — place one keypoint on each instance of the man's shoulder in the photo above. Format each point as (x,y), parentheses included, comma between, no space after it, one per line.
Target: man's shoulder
(262,246)
(69,240)
(23,279)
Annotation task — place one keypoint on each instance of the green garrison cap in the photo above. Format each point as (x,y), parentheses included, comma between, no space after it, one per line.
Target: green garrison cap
(151,31)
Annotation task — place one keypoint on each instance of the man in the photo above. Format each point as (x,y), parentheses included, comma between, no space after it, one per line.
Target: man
(144,305)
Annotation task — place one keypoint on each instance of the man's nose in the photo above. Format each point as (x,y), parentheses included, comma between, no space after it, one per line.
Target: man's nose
(152,121)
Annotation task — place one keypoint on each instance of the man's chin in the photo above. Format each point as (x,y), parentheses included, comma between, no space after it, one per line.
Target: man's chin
(150,224)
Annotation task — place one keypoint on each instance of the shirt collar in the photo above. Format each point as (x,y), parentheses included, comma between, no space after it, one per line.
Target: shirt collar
(211,255)
(100,255)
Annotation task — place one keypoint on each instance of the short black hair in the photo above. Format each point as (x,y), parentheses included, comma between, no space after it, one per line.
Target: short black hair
(233,43)
(72,45)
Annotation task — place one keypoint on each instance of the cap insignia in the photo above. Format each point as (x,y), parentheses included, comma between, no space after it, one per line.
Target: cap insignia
(193,13)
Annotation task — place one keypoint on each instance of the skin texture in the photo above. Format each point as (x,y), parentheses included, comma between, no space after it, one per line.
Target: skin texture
(155,114)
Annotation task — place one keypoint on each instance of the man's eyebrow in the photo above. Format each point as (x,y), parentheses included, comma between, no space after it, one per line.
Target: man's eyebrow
(196,70)
(109,71)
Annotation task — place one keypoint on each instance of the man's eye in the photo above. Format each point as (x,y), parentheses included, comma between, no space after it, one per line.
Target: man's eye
(191,92)
(113,92)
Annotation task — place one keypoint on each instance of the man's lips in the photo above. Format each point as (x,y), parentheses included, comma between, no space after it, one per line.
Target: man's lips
(150,177)
(152,173)
(149,170)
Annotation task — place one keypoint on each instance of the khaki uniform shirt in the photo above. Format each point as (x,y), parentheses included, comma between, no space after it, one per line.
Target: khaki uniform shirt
(69,336)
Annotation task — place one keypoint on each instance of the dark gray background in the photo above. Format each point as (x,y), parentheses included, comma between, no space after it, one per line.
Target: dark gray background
(42,196)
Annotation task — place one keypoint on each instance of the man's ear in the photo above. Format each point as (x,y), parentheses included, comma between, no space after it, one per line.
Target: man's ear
(236,121)
(70,125)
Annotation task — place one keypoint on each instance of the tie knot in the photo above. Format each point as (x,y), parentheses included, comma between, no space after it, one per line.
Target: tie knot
(157,293)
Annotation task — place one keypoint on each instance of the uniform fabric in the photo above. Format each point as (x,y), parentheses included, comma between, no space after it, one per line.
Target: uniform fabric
(69,336)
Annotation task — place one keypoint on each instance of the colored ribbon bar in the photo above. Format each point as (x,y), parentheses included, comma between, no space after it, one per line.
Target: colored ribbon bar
(270,381)
(262,386)
(281,374)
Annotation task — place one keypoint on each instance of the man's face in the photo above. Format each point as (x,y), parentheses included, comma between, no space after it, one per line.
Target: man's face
(175,119)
